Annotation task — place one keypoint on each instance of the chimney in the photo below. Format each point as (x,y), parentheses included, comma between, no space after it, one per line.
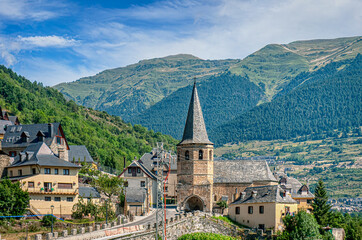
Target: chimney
(50,130)
(243,194)
(253,194)
(61,153)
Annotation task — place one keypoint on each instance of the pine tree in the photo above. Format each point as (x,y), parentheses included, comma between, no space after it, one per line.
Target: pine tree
(321,209)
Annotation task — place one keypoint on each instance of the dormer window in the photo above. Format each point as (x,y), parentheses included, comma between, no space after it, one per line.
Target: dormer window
(201,155)
(187,155)
(40,136)
(25,137)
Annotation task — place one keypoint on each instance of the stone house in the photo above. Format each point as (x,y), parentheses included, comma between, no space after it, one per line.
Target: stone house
(263,207)
(140,189)
(202,182)
(50,180)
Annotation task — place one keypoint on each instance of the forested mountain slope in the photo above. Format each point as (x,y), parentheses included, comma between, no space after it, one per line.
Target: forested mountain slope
(107,137)
(222,98)
(325,100)
(129,90)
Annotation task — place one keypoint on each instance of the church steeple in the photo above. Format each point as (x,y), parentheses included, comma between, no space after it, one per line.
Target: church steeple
(195,130)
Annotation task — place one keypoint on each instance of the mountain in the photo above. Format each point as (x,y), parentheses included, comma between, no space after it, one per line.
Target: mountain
(222,98)
(127,91)
(107,137)
(321,101)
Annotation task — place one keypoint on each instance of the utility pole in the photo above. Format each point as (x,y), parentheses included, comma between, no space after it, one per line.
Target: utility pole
(163,158)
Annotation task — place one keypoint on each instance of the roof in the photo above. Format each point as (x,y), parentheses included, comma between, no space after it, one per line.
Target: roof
(136,163)
(135,194)
(296,188)
(242,171)
(3,125)
(13,133)
(40,154)
(149,159)
(264,194)
(14,119)
(195,130)
(87,192)
(79,153)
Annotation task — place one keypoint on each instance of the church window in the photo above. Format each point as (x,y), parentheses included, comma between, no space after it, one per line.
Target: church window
(187,155)
(250,209)
(201,154)
(237,210)
(210,155)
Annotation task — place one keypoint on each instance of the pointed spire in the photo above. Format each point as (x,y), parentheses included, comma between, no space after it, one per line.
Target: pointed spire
(195,130)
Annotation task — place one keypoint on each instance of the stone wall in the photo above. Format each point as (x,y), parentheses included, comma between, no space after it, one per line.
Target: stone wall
(4,162)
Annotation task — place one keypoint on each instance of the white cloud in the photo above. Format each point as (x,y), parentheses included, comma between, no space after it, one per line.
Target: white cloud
(47,41)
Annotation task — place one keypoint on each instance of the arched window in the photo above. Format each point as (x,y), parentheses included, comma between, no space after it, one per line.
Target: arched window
(215,197)
(201,154)
(187,155)
(210,155)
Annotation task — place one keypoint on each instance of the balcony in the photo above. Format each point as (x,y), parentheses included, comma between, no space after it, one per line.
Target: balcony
(52,191)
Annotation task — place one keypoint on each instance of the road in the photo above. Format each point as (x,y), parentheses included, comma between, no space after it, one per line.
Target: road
(151,218)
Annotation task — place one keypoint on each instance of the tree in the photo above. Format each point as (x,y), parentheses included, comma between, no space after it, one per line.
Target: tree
(302,226)
(13,200)
(222,204)
(321,209)
(108,185)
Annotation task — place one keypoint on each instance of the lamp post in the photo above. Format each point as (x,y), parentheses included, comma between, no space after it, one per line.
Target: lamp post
(106,212)
(52,207)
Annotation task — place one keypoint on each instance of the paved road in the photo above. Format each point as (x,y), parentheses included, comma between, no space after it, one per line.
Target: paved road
(151,218)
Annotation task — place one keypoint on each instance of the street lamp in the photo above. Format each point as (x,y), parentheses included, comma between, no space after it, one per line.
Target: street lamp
(52,207)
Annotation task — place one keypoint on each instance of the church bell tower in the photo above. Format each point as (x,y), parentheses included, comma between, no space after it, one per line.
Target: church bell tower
(195,166)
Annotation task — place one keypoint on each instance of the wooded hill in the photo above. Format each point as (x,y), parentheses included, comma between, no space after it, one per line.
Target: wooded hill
(107,137)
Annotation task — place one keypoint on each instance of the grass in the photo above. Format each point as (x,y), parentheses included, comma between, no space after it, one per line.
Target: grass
(230,221)
(204,236)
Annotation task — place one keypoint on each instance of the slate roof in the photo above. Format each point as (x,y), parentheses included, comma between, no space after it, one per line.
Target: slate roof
(242,171)
(40,154)
(135,194)
(265,194)
(148,160)
(12,137)
(195,130)
(13,119)
(293,186)
(136,163)
(78,153)
(3,125)
(87,192)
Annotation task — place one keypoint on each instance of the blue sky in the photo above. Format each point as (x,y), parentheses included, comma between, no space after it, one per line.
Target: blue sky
(53,41)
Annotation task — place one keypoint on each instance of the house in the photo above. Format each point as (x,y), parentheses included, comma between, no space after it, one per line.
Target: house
(140,188)
(263,207)
(149,160)
(14,120)
(89,194)
(299,192)
(79,154)
(50,180)
(3,126)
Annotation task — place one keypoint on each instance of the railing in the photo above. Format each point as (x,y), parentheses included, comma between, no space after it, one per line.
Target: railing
(52,191)
(33,210)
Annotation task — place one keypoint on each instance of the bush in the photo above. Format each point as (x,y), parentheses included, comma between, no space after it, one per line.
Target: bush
(47,220)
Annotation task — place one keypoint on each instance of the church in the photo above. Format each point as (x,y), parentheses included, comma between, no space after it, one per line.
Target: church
(203,181)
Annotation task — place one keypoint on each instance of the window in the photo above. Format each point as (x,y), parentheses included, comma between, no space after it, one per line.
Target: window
(65,171)
(201,154)
(287,210)
(187,155)
(143,184)
(210,155)
(250,210)
(20,172)
(215,197)
(237,210)
(11,173)
(65,185)
(59,140)
(48,199)
(47,187)
(34,170)
(138,170)
(69,199)
(56,171)
(12,154)
(46,170)
(261,209)
(166,189)
(30,184)
(129,170)
(57,199)
(178,156)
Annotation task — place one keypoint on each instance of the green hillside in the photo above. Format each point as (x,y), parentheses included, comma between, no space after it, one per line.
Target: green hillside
(127,91)
(222,98)
(328,99)
(107,137)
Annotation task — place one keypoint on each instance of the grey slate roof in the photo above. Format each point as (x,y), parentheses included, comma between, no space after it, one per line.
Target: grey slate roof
(148,160)
(41,159)
(13,133)
(87,192)
(79,153)
(195,130)
(3,125)
(135,194)
(294,187)
(242,171)
(136,163)
(265,194)
(13,119)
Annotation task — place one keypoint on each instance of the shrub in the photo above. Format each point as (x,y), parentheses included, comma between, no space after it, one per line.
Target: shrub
(47,220)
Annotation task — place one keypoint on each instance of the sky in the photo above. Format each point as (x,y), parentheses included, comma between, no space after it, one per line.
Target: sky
(52,41)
